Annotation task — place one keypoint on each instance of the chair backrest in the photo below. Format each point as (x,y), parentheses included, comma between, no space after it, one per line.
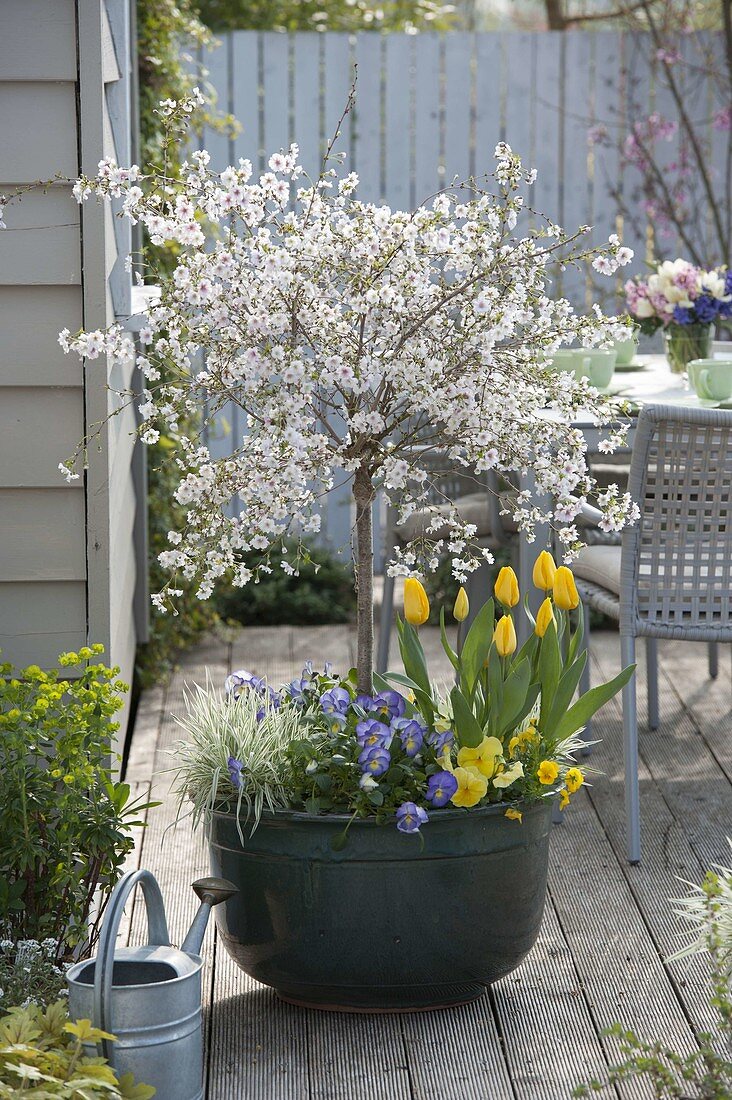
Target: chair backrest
(676,571)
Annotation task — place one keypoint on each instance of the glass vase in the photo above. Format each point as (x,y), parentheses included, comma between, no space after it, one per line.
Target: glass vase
(686,342)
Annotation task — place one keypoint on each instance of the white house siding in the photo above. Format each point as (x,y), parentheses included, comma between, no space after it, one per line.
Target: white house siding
(68,571)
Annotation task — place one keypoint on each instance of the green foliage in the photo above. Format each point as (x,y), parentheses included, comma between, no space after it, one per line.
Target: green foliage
(42,1055)
(705,1074)
(29,972)
(332,15)
(321,591)
(64,822)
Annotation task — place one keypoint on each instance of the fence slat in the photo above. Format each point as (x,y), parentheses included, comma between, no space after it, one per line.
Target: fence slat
(276,92)
(368,116)
(397,121)
(637,102)
(519,70)
(216,61)
(245,106)
(548,120)
(459,158)
(306,106)
(606,171)
(488,100)
(427,117)
(575,199)
(338,74)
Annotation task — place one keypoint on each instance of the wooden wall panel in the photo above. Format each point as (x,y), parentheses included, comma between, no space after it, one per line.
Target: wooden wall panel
(39,427)
(42,534)
(37,131)
(39,620)
(38,40)
(41,243)
(30,321)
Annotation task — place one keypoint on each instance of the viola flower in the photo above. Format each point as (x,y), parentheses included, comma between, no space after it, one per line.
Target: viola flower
(239,682)
(509,775)
(371,732)
(563,798)
(441,740)
(367,782)
(574,779)
(411,734)
(374,760)
(514,815)
(335,701)
(390,704)
(471,787)
(520,740)
(548,772)
(441,787)
(483,757)
(410,816)
(366,702)
(235,772)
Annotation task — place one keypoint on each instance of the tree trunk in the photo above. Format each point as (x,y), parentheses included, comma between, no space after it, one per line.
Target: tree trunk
(555,18)
(363,493)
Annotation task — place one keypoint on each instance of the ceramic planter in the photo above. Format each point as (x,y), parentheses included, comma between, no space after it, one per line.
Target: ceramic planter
(388,923)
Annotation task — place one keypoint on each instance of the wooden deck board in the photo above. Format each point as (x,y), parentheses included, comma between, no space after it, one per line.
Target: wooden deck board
(607,933)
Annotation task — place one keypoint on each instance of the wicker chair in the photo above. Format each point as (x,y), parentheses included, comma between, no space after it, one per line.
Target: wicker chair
(672,577)
(478,501)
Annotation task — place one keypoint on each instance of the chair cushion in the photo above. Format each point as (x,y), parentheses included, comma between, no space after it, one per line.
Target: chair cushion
(600,565)
(472,508)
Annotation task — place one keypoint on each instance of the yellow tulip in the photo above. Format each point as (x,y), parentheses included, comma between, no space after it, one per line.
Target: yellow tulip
(566,595)
(472,786)
(504,636)
(506,589)
(416,604)
(544,571)
(544,617)
(482,757)
(462,607)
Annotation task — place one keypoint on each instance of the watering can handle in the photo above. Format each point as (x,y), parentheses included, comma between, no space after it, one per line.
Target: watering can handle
(157,933)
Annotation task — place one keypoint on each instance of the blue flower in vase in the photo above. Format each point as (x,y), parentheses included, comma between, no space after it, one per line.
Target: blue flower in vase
(410,816)
(706,308)
(441,787)
(374,760)
(683,316)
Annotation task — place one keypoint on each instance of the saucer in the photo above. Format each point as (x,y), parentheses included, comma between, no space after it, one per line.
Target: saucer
(635,365)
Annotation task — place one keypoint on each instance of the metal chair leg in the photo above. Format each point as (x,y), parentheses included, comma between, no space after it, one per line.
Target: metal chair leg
(557,814)
(385,624)
(630,752)
(713,655)
(652,675)
(584,684)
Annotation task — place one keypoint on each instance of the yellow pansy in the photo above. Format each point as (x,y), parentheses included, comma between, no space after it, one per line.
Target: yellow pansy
(506,588)
(416,604)
(563,799)
(514,815)
(521,740)
(509,775)
(548,772)
(574,779)
(482,757)
(544,571)
(472,786)
(566,595)
(504,636)
(544,616)
(461,608)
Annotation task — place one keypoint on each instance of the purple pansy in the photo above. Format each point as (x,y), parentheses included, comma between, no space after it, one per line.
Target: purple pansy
(335,701)
(390,704)
(370,732)
(235,771)
(239,682)
(365,702)
(411,734)
(441,787)
(374,760)
(410,816)
(440,741)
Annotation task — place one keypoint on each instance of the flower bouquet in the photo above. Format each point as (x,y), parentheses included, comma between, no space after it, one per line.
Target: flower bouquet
(685,301)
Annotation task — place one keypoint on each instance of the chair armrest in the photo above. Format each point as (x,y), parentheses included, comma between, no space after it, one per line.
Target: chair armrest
(591,514)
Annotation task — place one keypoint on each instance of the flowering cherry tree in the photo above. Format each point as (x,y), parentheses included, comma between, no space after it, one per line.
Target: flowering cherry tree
(359,342)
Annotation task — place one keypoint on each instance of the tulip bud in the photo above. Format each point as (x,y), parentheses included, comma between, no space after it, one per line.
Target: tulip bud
(507,589)
(416,604)
(504,636)
(566,595)
(544,617)
(462,607)
(544,571)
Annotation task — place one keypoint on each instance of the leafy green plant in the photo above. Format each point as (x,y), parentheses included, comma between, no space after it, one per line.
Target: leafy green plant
(64,821)
(706,1074)
(29,972)
(320,590)
(332,15)
(42,1055)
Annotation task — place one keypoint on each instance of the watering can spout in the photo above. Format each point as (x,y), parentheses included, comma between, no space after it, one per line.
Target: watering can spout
(211,891)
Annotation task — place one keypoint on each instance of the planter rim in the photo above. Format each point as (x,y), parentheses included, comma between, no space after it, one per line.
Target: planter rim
(459,813)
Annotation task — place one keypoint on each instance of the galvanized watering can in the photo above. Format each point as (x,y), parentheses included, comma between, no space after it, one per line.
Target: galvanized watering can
(149,997)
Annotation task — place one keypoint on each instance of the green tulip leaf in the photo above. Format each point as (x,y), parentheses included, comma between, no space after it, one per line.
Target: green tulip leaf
(468,730)
(476,646)
(580,714)
(564,694)
(549,668)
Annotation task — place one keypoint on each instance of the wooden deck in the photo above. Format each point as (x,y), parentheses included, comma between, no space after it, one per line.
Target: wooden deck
(607,932)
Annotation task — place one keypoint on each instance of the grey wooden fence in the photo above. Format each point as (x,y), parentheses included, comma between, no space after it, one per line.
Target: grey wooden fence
(432,107)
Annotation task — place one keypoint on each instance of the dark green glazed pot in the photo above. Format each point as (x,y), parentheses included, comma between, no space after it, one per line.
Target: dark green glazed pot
(386,924)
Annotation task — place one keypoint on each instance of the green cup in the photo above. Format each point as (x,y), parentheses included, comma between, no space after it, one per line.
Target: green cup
(596,364)
(626,351)
(711,378)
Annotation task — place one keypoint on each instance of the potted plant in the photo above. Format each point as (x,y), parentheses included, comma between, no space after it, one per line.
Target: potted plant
(315,798)
(685,301)
(359,342)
